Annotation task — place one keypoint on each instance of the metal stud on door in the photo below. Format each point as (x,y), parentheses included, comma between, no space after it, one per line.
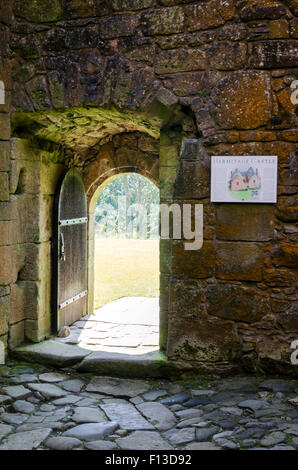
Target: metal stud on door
(70,252)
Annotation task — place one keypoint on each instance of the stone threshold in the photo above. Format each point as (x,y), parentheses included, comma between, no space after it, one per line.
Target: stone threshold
(150,365)
(53,353)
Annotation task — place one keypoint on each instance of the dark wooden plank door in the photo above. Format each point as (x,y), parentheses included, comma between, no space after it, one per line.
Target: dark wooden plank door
(70,257)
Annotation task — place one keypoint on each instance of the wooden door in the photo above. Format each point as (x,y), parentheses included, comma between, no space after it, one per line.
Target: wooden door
(70,252)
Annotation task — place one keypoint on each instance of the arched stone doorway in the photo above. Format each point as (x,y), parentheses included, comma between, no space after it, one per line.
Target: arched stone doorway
(101,171)
(146,143)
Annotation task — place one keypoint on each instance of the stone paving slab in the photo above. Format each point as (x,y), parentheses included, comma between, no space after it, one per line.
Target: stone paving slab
(25,440)
(52,353)
(236,413)
(126,415)
(140,440)
(153,364)
(158,415)
(127,325)
(117,387)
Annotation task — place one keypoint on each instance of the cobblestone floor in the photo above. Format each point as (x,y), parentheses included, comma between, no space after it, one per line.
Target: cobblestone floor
(129,325)
(46,409)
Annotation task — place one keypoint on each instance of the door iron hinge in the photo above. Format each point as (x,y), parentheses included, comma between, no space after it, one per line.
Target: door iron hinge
(80,220)
(73,299)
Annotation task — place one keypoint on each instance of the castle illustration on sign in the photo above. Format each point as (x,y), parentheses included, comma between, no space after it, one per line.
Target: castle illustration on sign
(242,182)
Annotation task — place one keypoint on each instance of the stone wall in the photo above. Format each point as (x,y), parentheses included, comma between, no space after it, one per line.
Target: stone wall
(226,65)
(7,224)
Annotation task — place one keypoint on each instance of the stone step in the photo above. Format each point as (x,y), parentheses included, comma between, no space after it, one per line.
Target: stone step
(153,364)
(51,353)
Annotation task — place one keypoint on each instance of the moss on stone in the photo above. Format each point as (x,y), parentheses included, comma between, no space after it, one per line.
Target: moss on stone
(40,98)
(39,11)
(82,126)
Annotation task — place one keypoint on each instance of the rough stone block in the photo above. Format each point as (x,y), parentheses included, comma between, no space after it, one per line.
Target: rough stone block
(285,254)
(180,60)
(34,218)
(117,26)
(17,303)
(4,126)
(28,218)
(163,311)
(227,56)
(239,261)
(50,175)
(56,82)
(43,11)
(203,339)
(4,188)
(4,290)
(8,232)
(122,5)
(21,149)
(260,10)
(4,340)
(193,180)
(287,209)
(5,69)
(276,277)
(163,21)
(165,256)
(252,222)
(167,179)
(4,314)
(242,100)
(37,261)
(278,29)
(191,149)
(210,14)
(24,177)
(284,150)
(37,298)
(46,218)
(289,319)
(197,264)
(4,156)
(192,83)
(16,335)
(273,54)
(8,210)
(38,92)
(38,330)
(30,294)
(274,355)
(186,300)
(237,303)
(8,265)
(292,5)
(5,108)
(169,155)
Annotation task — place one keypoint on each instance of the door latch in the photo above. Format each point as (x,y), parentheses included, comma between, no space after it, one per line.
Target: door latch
(62,247)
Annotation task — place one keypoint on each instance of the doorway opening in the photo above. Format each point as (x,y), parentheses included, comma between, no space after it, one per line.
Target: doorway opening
(126,268)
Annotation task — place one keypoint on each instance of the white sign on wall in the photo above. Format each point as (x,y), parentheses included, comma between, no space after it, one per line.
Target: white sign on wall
(249,179)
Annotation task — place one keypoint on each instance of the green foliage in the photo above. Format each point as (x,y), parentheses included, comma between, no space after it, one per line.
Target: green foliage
(134,190)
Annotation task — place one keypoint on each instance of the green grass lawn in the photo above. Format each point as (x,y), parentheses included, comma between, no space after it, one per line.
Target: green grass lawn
(125,268)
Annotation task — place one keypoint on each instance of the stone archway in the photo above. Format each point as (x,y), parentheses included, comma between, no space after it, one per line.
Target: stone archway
(101,143)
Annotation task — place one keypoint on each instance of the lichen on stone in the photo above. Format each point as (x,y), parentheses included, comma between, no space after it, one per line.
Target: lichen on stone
(83,127)
(39,11)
